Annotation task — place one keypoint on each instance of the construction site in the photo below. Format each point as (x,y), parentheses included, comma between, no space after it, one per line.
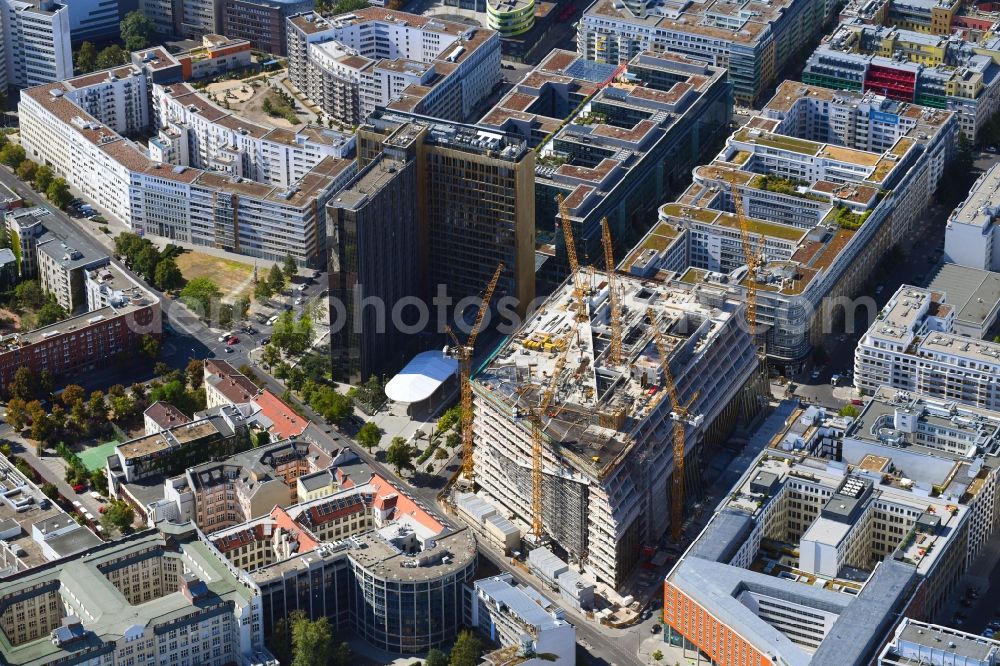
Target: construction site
(575,416)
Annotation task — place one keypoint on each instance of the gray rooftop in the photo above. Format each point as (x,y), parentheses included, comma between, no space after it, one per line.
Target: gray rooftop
(68,254)
(973,292)
(526,607)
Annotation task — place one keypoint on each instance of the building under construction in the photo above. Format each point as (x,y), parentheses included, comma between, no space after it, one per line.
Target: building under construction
(607,444)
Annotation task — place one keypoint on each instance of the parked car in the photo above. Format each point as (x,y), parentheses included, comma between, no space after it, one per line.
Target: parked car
(79,488)
(655,629)
(302,287)
(233,340)
(857,401)
(229,350)
(298,301)
(264,341)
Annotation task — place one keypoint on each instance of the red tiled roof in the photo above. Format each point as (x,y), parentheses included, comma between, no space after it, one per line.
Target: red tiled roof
(286,422)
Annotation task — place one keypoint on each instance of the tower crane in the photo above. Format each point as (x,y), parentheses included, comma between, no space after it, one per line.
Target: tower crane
(616,306)
(574,263)
(465,369)
(681,416)
(753,263)
(537,442)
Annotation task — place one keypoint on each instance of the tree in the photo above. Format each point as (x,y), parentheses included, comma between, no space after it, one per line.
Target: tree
(98,407)
(467,650)
(29,294)
(289,266)
(71,393)
(50,490)
(43,177)
(241,306)
(271,356)
(369,435)
(343,656)
(17,414)
(58,193)
(118,514)
(149,346)
(111,56)
(276,279)
(124,407)
(262,290)
(12,155)
(41,425)
(199,293)
(657,656)
(86,58)
(195,372)
(312,642)
(436,658)
(280,642)
(50,313)
(400,454)
(24,384)
(99,481)
(136,30)
(147,260)
(26,170)
(849,410)
(440,454)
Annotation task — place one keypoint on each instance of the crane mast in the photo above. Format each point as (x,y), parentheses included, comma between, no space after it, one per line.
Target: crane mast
(681,415)
(752,262)
(465,369)
(615,356)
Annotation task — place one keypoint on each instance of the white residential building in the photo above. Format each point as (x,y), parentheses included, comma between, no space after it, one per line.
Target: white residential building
(79,127)
(523,622)
(351,63)
(912,346)
(926,644)
(36,42)
(972,235)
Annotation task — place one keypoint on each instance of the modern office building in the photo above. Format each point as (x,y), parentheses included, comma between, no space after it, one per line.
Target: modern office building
(510,17)
(261,22)
(373,255)
(474,200)
(110,329)
(613,143)
(972,236)
(370,558)
(200,17)
(161,597)
(350,64)
(932,70)
(829,182)
(921,643)
(36,42)
(97,21)
(606,469)
(165,15)
(755,44)
(525,624)
(838,530)
(912,346)
(262,192)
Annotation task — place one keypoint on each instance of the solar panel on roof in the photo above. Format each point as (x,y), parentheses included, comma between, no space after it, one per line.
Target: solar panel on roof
(597,72)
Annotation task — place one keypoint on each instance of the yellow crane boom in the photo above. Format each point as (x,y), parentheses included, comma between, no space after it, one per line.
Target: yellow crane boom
(680,415)
(615,356)
(574,264)
(465,369)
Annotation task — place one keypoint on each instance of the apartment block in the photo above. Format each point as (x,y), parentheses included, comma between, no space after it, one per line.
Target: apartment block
(226,492)
(226,386)
(108,330)
(829,182)
(374,57)
(972,237)
(505,613)
(261,22)
(165,15)
(370,558)
(200,18)
(839,528)
(36,45)
(934,70)
(754,44)
(79,126)
(164,597)
(474,201)
(918,642)
(912,346)
(603,138)
(607,474)
(62,271)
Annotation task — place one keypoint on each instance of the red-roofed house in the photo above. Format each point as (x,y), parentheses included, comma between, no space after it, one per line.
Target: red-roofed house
(284,422)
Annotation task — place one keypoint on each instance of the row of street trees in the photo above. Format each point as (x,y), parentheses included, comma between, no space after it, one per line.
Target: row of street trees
(41,177)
